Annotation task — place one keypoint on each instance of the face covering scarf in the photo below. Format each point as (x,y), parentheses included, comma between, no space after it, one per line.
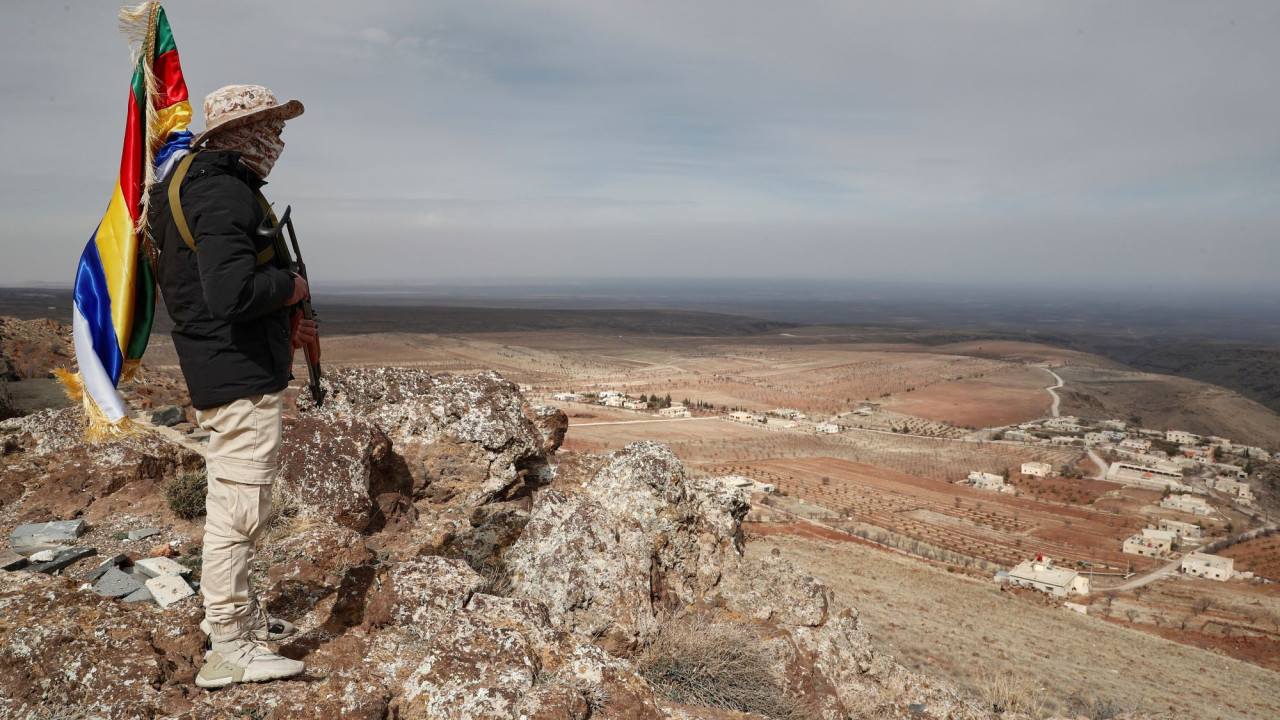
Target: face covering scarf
(258,143)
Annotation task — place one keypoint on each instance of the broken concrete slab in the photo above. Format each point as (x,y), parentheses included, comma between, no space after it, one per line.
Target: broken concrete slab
(10,560)
(157,566)
(115,583)
(142,595)
(169,589)
(143,533)
(28,550)
(63,560)
(168,416)
(114,561)
(50,532)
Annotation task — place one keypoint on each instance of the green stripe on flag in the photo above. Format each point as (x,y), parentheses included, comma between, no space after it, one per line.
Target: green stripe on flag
(144,308)
(164,35)
(139,85)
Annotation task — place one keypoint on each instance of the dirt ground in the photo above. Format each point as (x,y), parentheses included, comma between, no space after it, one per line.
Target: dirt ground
(1010,396)
(962,629)
(1260,556)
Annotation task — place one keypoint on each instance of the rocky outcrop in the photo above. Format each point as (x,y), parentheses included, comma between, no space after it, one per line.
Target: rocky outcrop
(52,474)
(441,562)
(466,440)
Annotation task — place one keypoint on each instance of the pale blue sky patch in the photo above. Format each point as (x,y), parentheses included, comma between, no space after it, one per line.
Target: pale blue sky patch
(1093,140)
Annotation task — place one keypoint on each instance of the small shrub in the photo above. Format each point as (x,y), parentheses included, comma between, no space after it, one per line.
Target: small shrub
(715,664)
(186,495)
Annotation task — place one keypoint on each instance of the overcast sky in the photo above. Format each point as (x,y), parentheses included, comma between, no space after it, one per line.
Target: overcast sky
(1084,142)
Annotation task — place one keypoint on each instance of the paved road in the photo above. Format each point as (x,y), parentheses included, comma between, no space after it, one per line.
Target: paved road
(1151,576)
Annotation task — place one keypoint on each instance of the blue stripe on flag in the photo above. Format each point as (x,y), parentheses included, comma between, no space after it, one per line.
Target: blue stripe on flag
(175,146)
(94,301)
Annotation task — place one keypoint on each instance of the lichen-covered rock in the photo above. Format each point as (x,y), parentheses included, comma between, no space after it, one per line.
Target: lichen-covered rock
(482,414)
(319,572)
(470,669)
(771,588)
(57,644)
(327,464)
(423,592)
(552,424)
(571,557)
(619,551)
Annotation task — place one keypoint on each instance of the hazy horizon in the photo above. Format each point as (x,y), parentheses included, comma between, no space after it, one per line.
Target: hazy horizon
(1092,144)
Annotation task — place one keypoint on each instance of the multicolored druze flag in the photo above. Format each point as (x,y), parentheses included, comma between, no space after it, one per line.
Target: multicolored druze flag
(115,286)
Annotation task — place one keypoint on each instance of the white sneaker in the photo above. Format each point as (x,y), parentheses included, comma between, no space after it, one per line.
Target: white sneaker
(244,660)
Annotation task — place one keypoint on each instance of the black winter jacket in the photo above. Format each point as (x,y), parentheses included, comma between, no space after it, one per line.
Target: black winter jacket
(231,326)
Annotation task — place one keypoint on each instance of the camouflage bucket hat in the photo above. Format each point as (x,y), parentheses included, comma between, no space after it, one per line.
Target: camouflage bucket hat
(236,105)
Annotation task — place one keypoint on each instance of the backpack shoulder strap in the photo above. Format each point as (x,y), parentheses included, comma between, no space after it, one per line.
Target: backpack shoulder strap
(180,218)
(175,201)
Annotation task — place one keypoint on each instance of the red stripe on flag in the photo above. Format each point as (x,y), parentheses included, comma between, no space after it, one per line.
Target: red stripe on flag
(131,160)
(171,87)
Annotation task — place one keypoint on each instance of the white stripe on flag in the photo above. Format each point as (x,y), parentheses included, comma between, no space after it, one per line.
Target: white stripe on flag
(96,380)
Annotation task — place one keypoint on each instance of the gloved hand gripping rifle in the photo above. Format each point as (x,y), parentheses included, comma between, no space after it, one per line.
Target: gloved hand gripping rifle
(312,348)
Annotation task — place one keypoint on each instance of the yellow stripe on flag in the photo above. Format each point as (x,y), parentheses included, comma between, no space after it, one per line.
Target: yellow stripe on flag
(115,240)
(171,119)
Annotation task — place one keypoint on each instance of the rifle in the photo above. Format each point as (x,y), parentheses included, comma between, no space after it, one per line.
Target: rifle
(312,348)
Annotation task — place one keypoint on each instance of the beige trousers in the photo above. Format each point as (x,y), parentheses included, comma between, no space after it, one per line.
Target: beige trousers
(241,464)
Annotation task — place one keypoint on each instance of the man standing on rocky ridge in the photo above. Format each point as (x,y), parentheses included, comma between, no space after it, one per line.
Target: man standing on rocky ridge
(230,294)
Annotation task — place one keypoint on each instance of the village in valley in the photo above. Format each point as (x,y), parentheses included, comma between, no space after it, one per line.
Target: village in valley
(1088,514)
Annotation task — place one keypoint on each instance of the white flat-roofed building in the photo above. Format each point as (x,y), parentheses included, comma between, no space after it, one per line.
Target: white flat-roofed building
(608,394)
(829,428)
(1241,491)
(1136,444)
(746,417)
(675,411)
(613,401)
(1159,475)
(566,397)
(989,481)
(1182,437)
(1018,435)
(1096,438)
(1183,530)
(1037,469)
(1043,576)
(1186,503)
(1213,567)
(1151,543)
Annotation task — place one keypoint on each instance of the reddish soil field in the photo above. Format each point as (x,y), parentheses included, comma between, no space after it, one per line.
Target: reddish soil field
(1261,556)
(1057,489)
(995,527)
(1003,398)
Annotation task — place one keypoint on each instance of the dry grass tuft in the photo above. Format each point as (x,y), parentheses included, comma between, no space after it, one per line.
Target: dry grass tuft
(715,664)
(1012,694)
(185,495)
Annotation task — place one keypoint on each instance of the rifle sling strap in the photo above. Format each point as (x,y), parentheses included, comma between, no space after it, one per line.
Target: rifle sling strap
(180,218)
